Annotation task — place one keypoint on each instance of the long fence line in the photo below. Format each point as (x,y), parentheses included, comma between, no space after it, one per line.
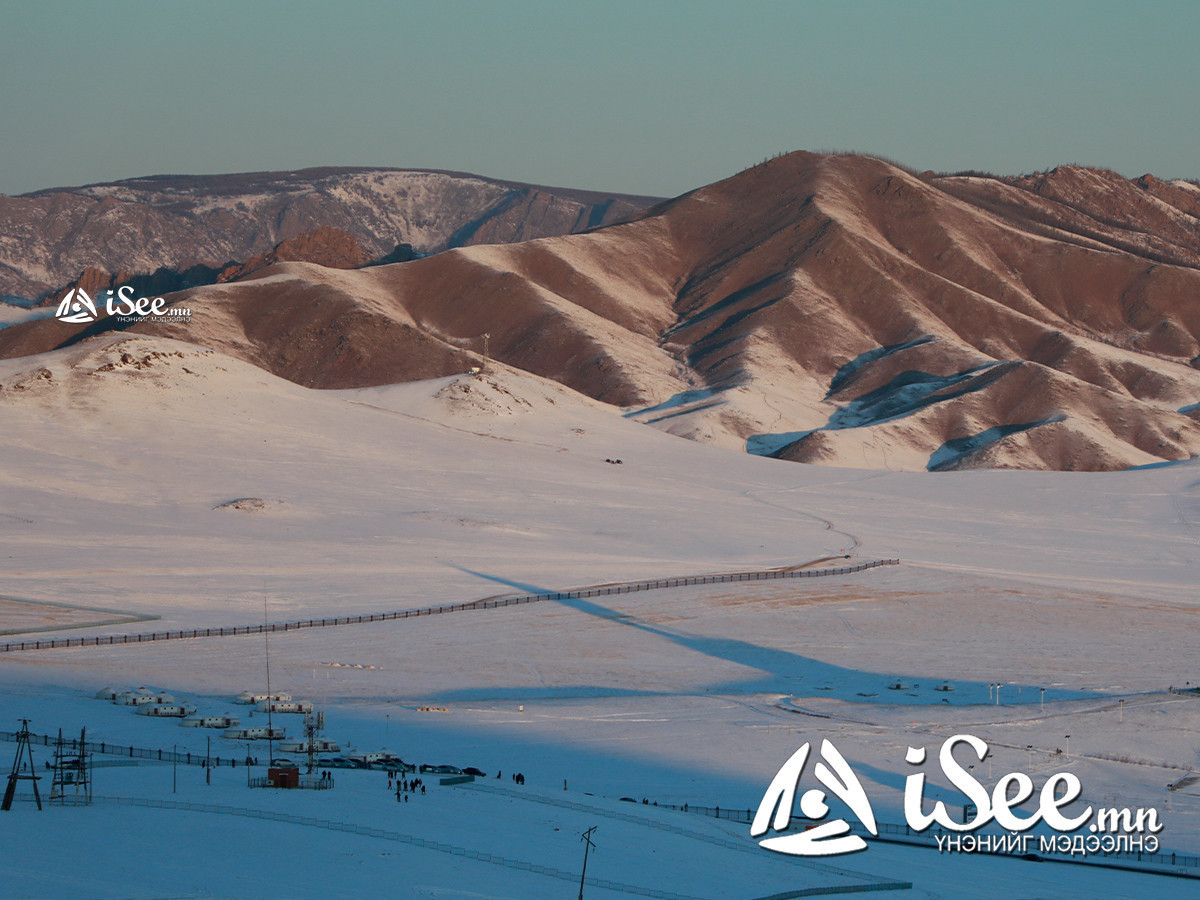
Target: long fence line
(128,751)
(1159,863)
(398,837)
(514,600)
(454,850)
(875,883)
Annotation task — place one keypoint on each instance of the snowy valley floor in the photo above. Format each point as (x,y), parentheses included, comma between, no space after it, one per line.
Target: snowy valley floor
(199,491)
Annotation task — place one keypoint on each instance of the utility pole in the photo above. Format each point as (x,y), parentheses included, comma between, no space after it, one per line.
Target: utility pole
(270,697)
(18,773)
(586,837)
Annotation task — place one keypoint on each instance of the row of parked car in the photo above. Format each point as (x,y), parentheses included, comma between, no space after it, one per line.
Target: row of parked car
(453,770)
(381,764)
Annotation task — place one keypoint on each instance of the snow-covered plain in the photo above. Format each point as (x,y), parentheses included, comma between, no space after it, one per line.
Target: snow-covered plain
(124,459)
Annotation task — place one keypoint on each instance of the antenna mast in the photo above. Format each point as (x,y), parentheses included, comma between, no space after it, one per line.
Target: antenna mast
(314,724)
(270,698)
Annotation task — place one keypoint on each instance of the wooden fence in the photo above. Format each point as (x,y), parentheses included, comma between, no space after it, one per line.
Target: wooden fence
(514,600)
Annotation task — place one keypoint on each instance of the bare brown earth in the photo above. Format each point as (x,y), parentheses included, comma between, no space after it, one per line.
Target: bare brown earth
(834,309)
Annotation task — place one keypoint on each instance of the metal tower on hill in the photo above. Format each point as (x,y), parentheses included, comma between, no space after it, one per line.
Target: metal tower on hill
(22,769)
(313,725)
(72,772)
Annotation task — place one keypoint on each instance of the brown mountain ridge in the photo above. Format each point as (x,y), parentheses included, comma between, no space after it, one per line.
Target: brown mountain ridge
(819,308)
(178,222)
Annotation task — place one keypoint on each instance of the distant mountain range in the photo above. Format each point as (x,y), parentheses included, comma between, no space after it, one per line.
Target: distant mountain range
(181,222)
(834,309)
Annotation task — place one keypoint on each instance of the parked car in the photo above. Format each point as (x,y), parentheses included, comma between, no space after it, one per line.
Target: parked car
(396,764)
(471,770)
(282,763)
(441,770)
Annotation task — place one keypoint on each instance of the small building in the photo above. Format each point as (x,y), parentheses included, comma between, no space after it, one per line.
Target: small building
(142,697)
(289,777)
(316,745)
(166,710)
(219,722)
(210,722)
(284,777)
(256,733)
(370,758)
(246,698)
(291,707)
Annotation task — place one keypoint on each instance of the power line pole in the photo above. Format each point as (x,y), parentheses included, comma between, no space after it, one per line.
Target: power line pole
(586,837)
(18,773)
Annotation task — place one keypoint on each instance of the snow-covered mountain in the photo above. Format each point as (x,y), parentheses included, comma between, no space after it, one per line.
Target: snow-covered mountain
(137,226)
(830,309)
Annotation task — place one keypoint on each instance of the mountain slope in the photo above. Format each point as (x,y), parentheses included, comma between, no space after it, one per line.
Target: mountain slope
(832,309)
(140,225)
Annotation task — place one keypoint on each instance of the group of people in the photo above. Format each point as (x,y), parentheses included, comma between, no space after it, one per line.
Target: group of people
(404,787)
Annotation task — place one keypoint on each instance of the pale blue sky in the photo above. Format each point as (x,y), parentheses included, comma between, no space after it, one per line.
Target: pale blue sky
(642,97)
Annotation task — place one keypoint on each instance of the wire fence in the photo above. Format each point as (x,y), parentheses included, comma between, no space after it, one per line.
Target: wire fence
(1177,863)
(130,752)
(388,835)
(642,816)
(494,859)
(493,603)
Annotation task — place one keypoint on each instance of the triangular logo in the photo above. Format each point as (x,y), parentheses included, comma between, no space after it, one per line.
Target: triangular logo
(829,838)
(76,306)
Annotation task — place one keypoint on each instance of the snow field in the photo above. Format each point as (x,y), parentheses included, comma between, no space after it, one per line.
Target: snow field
(117,484)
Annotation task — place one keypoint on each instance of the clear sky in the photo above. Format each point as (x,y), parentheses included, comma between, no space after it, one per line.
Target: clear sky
(643,97)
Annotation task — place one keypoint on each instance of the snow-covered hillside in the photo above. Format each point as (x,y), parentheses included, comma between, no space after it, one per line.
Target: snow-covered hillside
(148,477)
(175,221)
